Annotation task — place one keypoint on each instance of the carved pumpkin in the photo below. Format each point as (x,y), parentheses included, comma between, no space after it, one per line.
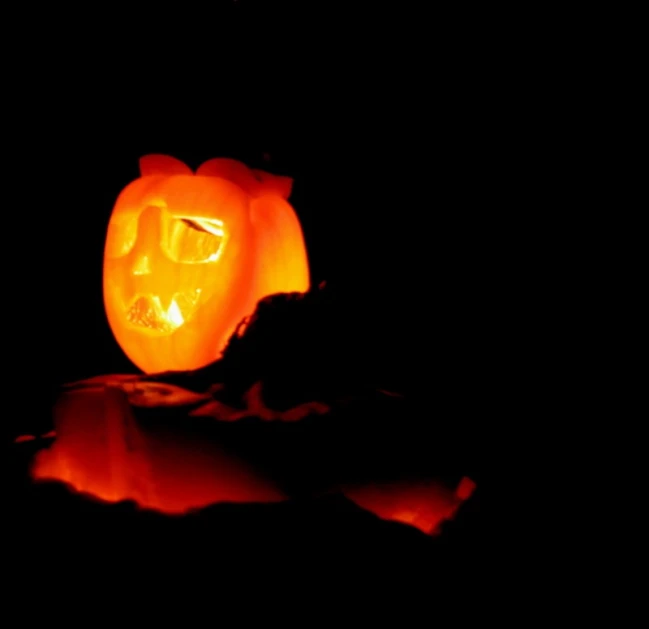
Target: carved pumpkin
(188,256)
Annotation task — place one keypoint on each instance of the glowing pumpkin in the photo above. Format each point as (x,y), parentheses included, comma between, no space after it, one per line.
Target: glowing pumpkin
(188,256)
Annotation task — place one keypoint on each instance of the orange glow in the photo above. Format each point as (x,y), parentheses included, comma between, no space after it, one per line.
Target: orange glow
(24,438)
(101,450)
(255,407)
(188,256)
(422,505)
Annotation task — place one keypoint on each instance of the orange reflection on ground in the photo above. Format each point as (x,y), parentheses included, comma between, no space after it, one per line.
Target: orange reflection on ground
(422,505)
(24,438)
(101,450)
(256,407)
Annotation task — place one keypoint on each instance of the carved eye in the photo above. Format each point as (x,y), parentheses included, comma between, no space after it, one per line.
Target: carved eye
(192,240)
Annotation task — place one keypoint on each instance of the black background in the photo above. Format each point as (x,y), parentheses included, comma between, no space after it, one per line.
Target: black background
(412,138)
(404,140)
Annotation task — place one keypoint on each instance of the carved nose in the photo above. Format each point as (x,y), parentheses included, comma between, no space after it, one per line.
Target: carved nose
(148,241)
(142,265)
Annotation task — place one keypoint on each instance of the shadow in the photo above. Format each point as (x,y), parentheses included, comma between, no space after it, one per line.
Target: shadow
(286,440)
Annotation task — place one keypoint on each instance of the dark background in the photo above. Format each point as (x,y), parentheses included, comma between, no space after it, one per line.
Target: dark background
(404,147)
(412,138)
(414,245)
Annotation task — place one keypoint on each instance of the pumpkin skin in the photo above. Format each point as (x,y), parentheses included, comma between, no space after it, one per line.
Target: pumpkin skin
(188,256)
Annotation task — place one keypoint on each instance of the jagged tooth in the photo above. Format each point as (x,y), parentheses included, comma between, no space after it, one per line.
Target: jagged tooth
(174,314)
(186,302)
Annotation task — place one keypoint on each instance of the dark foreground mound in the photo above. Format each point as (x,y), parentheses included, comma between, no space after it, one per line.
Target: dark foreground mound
(295,350)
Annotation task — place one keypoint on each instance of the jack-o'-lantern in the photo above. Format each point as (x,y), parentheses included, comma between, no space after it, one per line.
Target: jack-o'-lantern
(188,256)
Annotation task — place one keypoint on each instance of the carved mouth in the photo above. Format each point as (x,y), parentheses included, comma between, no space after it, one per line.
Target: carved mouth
(147,313)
